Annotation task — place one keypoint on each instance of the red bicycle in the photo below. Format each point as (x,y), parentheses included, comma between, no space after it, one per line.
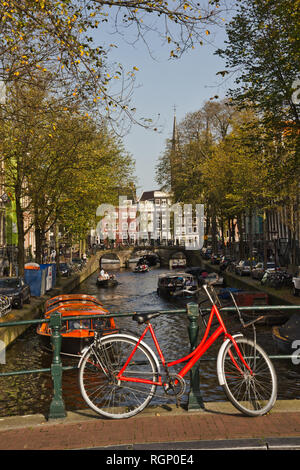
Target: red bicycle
(119,373)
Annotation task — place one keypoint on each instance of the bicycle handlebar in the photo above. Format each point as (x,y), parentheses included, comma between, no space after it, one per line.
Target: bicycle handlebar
(207,285)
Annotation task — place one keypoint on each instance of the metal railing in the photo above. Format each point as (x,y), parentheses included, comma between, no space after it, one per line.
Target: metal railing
(57,407)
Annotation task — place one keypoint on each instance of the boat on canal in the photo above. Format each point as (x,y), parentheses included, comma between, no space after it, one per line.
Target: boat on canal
(285,335)
(177,263)
(141,268)
(252,299)
(50,303)
(177,284)
(201,273)
(79,333)
(103,281)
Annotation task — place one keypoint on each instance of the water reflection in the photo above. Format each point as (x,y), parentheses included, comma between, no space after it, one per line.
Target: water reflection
(29,394)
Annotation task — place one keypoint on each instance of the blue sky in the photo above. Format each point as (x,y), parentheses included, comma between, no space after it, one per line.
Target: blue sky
(185,83)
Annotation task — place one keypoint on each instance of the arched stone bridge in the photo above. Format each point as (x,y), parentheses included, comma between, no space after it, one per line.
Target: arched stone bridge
(164,253)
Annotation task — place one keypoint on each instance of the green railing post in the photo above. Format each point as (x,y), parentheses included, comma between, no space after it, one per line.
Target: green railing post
(195,399)
(57,406)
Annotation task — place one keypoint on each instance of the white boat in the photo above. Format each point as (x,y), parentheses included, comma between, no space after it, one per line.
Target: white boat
(177,263)
(214,278)
(141,268)
(177,284)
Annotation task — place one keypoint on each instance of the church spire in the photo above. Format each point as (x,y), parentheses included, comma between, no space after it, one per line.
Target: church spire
(174,152)
(175,133)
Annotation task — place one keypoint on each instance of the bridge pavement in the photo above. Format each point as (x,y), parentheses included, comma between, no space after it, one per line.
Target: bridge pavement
(219,426)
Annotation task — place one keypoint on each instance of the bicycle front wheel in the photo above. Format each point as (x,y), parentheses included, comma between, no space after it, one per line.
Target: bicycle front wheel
(253,393)
(100,388)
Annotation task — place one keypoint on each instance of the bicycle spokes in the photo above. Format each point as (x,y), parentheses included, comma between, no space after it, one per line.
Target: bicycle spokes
(249,382)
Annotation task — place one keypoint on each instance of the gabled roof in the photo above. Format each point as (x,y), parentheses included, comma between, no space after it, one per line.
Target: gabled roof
(157,193)
(147,195)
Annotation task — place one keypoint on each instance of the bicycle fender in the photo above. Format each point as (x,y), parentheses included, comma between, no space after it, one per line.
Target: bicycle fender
(126,335)
(82,354)
(220,355)
(84,350)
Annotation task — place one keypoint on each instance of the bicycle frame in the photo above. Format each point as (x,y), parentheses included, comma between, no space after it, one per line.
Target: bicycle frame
(193,357)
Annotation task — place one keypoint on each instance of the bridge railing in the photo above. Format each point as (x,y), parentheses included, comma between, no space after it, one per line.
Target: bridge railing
(57,407)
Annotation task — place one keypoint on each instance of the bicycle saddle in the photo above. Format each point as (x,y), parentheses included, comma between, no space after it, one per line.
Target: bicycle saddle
(143,317)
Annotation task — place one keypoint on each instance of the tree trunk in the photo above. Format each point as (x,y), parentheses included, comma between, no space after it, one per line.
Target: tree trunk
(207,227)
(241,236)
(250,238)
(20,225)
(265,242)
(38,245)
(214,231)
(56,245)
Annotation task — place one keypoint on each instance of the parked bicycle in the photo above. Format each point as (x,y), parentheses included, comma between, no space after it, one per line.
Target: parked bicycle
(277,279)
(5,305)
(119,373)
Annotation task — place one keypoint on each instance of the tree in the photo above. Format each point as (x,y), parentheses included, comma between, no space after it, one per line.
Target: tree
(263,52)
(59,164)
(57,37)
(199,134)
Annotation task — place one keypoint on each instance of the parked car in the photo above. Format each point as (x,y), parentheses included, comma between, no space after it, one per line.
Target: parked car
(77,263)
(16,289)
(296,285)
(259,270)
(243,268)
(65,269)
(296,282)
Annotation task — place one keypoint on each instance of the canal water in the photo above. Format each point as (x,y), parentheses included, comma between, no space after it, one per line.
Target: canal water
(30,394)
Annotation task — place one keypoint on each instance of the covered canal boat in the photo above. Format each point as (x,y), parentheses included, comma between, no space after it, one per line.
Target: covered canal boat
(177,284)
(76,334)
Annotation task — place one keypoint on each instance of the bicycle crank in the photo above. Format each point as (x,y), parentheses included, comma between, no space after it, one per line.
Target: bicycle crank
(175,386)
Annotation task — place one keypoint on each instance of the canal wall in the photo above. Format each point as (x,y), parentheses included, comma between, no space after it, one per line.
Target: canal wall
(37,304)
(281,296)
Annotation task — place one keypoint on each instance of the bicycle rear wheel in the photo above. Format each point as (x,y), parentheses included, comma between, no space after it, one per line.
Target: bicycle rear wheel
(252,394)
(99,387)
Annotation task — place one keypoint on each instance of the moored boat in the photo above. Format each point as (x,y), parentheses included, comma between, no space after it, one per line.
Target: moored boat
(269,318)
(286,337)
(50,303)
(214,278)
(177,284)
(252,299)
(177,263)
(75,334)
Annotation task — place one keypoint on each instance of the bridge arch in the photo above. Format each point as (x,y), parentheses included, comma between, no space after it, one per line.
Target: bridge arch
(149,254)
(164,254)
(178,260)
(109,257)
